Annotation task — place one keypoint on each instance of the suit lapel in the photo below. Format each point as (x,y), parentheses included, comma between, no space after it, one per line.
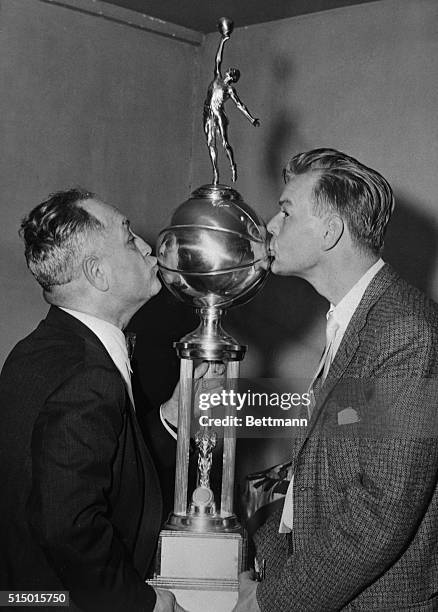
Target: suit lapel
(349,345)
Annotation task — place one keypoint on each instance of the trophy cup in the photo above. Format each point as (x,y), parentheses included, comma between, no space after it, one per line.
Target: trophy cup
(213,255)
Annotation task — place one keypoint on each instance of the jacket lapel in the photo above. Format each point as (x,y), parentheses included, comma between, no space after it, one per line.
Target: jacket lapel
(349,345)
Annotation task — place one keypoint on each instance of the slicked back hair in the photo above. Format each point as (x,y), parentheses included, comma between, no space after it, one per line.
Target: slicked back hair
(55,235)
(360,195)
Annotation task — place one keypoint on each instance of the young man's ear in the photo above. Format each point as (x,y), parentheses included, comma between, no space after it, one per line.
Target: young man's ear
(333,231)
(95,273)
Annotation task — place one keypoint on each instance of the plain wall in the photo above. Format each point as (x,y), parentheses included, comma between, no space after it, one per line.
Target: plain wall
(86,101)
(362,79)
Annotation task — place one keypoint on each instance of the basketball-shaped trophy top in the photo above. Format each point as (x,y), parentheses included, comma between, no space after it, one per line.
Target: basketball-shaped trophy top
(215,252)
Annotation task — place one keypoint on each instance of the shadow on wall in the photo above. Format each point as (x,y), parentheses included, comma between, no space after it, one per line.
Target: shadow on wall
(158,324)
(411,244)
(278,148)
(281,315)
(284,137)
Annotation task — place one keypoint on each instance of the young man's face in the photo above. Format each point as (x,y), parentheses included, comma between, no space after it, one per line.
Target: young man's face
(296,243)
(131,269)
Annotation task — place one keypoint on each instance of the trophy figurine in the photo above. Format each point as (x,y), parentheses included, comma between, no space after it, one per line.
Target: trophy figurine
(213,255)
(219,91)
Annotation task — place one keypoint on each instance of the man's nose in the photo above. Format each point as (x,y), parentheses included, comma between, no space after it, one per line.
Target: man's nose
(144,248)
(273,224)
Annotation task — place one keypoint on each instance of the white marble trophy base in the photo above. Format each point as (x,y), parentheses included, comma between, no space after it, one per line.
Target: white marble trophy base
(201,569)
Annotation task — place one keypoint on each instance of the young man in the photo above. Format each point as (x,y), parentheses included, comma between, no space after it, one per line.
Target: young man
(358,530)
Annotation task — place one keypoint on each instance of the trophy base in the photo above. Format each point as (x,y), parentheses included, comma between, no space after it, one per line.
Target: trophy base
(201,569)
(203,595)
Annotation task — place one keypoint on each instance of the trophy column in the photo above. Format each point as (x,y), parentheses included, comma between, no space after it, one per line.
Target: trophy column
(201,548)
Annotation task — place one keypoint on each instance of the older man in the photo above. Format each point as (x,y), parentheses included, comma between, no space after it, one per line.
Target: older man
(359,526)
(80,508)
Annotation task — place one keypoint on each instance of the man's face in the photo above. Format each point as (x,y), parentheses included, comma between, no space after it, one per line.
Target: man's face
(297,232)
(132,270)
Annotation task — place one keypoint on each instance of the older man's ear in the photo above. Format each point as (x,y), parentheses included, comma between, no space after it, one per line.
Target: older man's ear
(95,272)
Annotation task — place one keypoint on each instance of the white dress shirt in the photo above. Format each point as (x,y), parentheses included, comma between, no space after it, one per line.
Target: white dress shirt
(341,314)
(113,339)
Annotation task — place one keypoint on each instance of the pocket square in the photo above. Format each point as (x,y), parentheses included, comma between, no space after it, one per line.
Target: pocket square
(348,416)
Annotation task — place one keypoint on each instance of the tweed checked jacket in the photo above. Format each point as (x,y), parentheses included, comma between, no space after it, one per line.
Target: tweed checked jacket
(365,533)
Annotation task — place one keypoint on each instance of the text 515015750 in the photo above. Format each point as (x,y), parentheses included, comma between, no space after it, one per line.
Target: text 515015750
(34,598)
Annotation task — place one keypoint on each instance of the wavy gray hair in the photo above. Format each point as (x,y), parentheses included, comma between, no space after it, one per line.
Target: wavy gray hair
(55,235)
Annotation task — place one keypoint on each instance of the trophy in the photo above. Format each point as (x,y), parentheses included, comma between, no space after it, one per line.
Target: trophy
(213,255)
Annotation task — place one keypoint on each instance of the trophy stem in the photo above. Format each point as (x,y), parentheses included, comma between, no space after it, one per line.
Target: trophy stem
(209,341)
(210,329)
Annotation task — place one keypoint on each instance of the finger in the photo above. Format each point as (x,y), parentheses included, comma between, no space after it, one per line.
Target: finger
(246,577)
(209,369)
(201,370)
(217,368)
(211,384)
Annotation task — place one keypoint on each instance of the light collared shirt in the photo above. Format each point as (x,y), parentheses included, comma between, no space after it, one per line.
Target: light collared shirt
(342,314)
(113,339)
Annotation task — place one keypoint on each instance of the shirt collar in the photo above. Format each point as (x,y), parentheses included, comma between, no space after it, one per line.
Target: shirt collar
(343,311)
(111,337)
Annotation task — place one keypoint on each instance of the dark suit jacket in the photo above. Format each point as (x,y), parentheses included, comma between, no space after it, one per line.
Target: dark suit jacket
(80,507)
(365,533)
